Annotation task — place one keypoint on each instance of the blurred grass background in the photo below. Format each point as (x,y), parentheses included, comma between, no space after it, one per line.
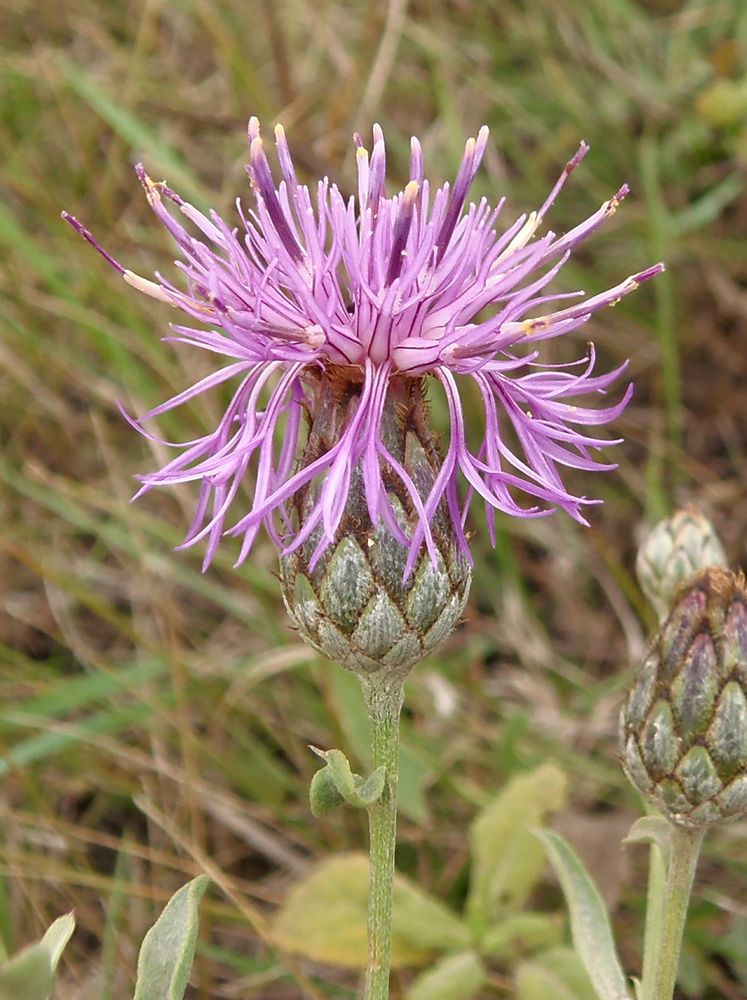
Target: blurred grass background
(125,673)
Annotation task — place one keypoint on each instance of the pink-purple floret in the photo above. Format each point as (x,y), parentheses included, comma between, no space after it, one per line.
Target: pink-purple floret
(388,285)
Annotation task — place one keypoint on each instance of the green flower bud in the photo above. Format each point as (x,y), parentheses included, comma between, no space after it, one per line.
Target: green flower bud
(684,725)
(355,605)
(675,550)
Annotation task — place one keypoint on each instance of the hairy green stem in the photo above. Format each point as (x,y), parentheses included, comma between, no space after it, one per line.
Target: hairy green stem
(659,981)
(384,703)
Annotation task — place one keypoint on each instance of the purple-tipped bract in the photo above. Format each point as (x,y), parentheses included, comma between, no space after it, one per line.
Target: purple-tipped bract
(374,288)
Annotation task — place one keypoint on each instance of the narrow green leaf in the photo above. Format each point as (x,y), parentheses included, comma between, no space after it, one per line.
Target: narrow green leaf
(455,977)
(324,918)
(57,936)
(507,863)
(46,744)
(590,923)
(70,694)
(166,955)
(29,974)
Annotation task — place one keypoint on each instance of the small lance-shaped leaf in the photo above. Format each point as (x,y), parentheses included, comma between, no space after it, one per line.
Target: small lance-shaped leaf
(590,923)
(454,977)
(57,936)
(324,918)
(29,974)
(357,791)
(166,955)
(522,934)
(506,862)
(557,973)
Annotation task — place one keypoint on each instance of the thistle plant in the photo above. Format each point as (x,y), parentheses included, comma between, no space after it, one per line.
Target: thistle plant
(337,316)
(683,740)
(683,729)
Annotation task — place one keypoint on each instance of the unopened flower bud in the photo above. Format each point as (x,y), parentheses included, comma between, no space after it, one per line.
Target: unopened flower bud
(356,600)
(684,725)
(675,550)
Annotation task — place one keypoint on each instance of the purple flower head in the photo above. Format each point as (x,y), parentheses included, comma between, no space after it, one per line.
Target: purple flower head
(377,288)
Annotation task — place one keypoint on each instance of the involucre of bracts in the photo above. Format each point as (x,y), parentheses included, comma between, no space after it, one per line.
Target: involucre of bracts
(684,725)
(356,600)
